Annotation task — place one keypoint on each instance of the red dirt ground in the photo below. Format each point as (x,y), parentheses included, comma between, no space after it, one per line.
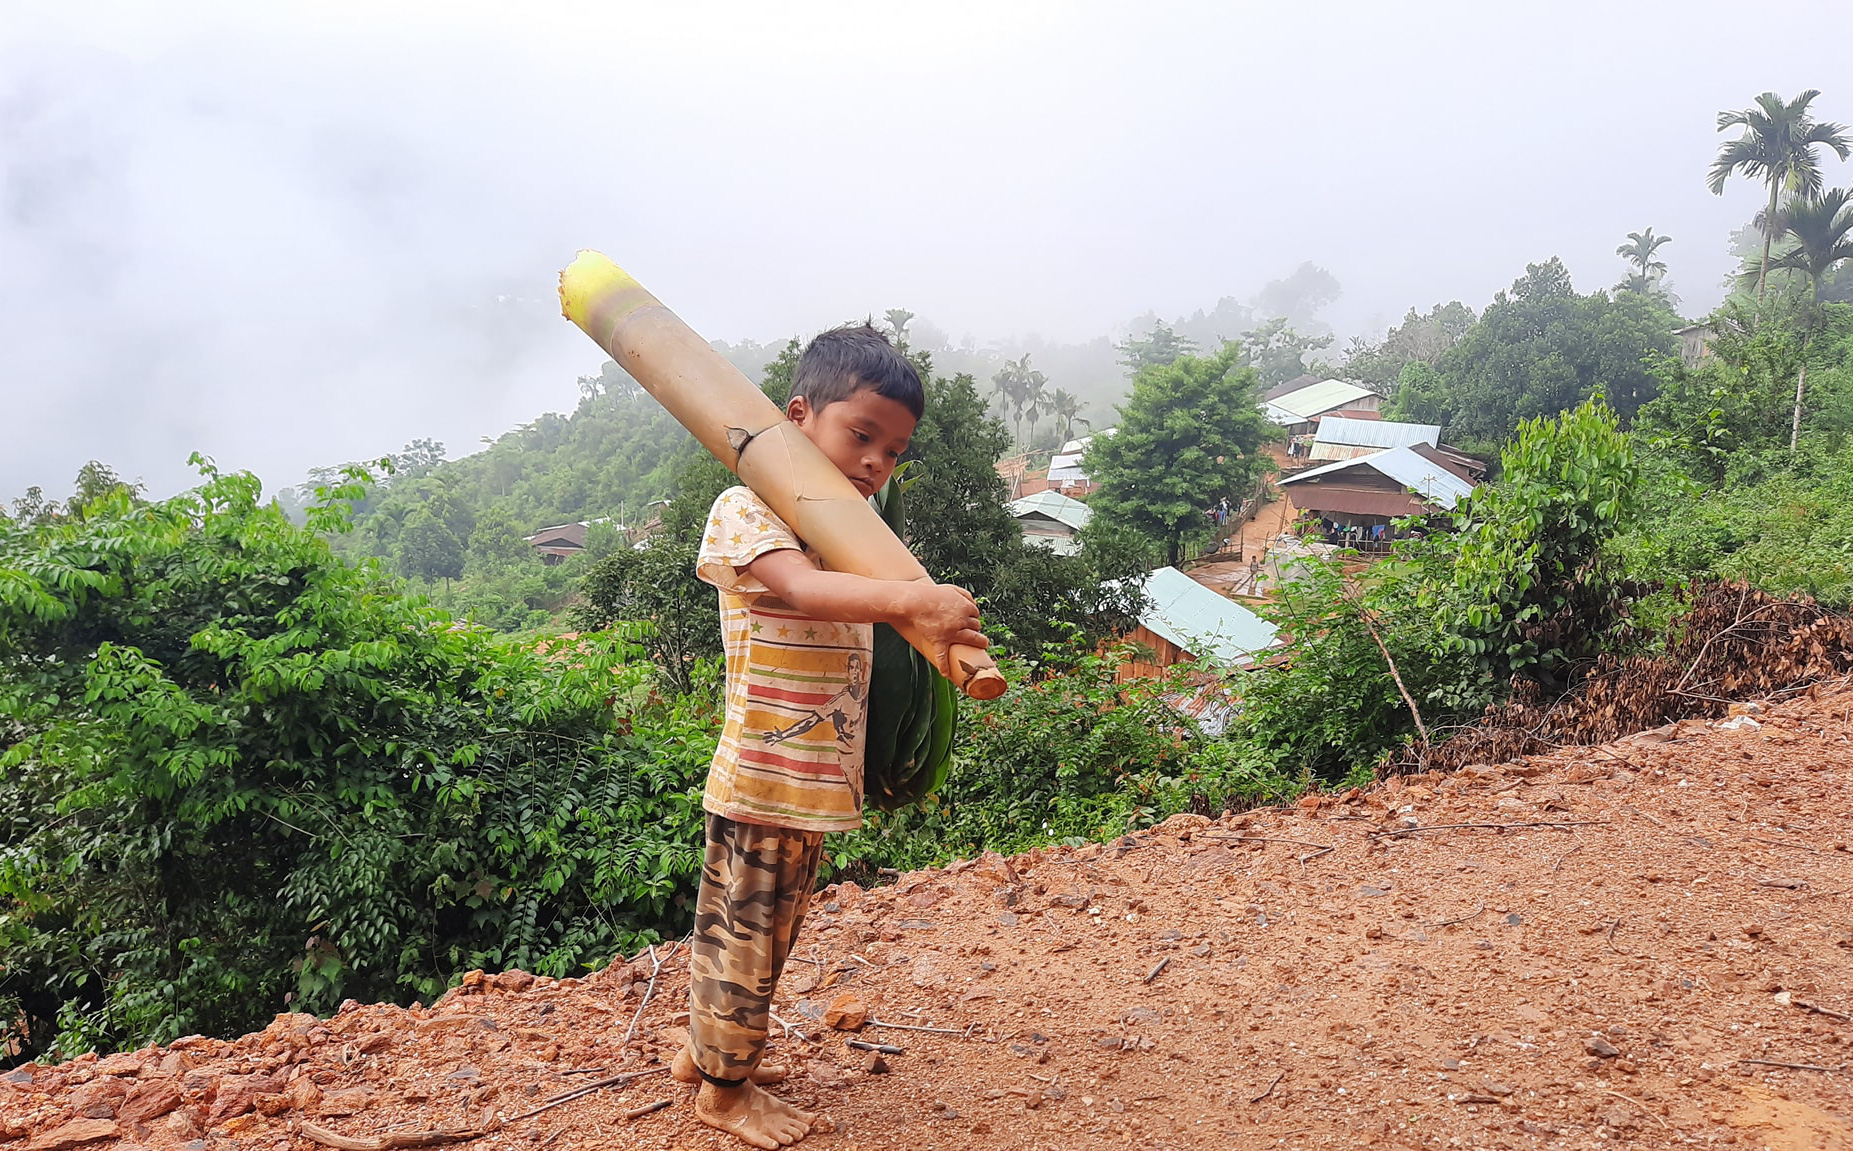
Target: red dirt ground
(1601,981)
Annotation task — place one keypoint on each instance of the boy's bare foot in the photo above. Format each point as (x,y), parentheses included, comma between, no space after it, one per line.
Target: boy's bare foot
(764,1120)
(682,1070)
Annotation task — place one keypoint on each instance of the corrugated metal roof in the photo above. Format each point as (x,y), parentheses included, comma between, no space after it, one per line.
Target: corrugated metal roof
(1313,400)
(1375,433)
(1052,505)
(1424,477)
(1201,622)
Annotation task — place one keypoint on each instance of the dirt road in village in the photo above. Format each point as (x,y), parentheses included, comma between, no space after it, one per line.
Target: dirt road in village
(1657,950)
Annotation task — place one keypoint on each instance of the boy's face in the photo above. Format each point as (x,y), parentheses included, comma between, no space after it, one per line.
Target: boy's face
(863,435)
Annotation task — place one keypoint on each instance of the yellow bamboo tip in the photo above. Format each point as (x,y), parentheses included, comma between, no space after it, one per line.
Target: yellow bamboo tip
(592,285)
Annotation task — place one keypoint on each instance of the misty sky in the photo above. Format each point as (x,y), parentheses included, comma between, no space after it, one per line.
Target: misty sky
(296,234)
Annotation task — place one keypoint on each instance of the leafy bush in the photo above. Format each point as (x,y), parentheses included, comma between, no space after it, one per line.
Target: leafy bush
(1525,584)
(240,772)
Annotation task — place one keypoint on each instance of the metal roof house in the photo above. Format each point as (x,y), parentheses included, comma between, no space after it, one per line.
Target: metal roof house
(1344,438)
(1066,475)
(1371,490)
(1185,621)
(1050,519)
(1299,410)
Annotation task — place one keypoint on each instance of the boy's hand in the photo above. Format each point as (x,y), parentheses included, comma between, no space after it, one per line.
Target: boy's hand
(947,615)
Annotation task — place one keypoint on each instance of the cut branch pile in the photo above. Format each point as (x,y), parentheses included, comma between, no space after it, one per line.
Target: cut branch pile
(1734,643)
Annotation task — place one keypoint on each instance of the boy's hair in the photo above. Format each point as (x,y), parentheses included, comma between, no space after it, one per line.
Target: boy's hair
(853,358)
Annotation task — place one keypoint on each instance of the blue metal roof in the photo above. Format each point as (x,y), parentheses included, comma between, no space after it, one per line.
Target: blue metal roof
(1052,505)
(1201,622)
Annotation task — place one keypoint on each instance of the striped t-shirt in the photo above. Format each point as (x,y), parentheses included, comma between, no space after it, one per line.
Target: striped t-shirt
(790,753)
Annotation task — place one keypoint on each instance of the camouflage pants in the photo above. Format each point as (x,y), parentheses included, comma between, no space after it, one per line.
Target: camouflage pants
(755,888)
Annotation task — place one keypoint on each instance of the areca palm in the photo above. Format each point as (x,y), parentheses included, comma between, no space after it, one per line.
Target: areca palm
(1065,406)
(1819,231)
(1639,251)
(1777,147)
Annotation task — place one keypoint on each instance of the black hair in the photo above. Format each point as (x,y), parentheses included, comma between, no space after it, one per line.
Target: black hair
(854,358)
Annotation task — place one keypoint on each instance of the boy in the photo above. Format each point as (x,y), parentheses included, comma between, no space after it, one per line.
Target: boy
(789,764)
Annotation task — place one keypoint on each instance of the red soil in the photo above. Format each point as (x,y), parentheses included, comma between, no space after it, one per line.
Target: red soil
(1599,981)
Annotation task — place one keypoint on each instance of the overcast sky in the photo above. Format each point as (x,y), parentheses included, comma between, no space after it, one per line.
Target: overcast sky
(294,234)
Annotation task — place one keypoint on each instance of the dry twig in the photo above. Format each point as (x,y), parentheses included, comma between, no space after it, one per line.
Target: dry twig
(1562,826)
(1795,1066)
(1451,922)
(1158,970)
(656,968)
(1644,1109)
(1270,1089)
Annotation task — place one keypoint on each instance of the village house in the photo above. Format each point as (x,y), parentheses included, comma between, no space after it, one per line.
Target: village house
(1051,520)
(1300,409)
(1185,622)
(1356,499)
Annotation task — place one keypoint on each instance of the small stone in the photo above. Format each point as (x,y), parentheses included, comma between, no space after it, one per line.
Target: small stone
(1514,920)
(121,1063)
(1369,892)
(875,1064)
(304,1094)
(100,1098)
(1007,919)
(273,1104)
(464,1074)
(927,974)
(1600,1047)
(1201,950)
(1753,929)
(237,1095)
(1373,933)
(472,980)
(74,1134)
(350,1101)
(516,981)
(1492,1088)
(826,1075)
(846,1013)
(149,1101)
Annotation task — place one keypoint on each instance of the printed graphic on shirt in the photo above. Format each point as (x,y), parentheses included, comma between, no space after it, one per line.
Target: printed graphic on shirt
(834,710)
(791,747)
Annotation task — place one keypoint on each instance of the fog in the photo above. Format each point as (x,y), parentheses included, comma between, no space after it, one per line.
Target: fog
(294,235)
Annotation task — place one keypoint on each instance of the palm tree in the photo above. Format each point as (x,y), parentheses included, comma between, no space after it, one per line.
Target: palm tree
(1066,407)
(1639,251)
(1820,229)
(1022,388)
(1036,404)
(1777,147)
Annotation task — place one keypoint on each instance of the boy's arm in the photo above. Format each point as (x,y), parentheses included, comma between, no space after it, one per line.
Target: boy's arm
(947,614)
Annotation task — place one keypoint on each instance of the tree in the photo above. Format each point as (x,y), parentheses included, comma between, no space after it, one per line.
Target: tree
(1156,348)
(1278,353)
(1418,339)
(1065,406)
(428,548)
(1022,389)
(1639,251)
(1189,436)
(1820,229)
(1777,147)
(898,319)
(1301,296)
(1532,591)
(1541,349)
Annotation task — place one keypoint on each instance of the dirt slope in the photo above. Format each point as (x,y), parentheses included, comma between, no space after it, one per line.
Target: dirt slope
(1599,982)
